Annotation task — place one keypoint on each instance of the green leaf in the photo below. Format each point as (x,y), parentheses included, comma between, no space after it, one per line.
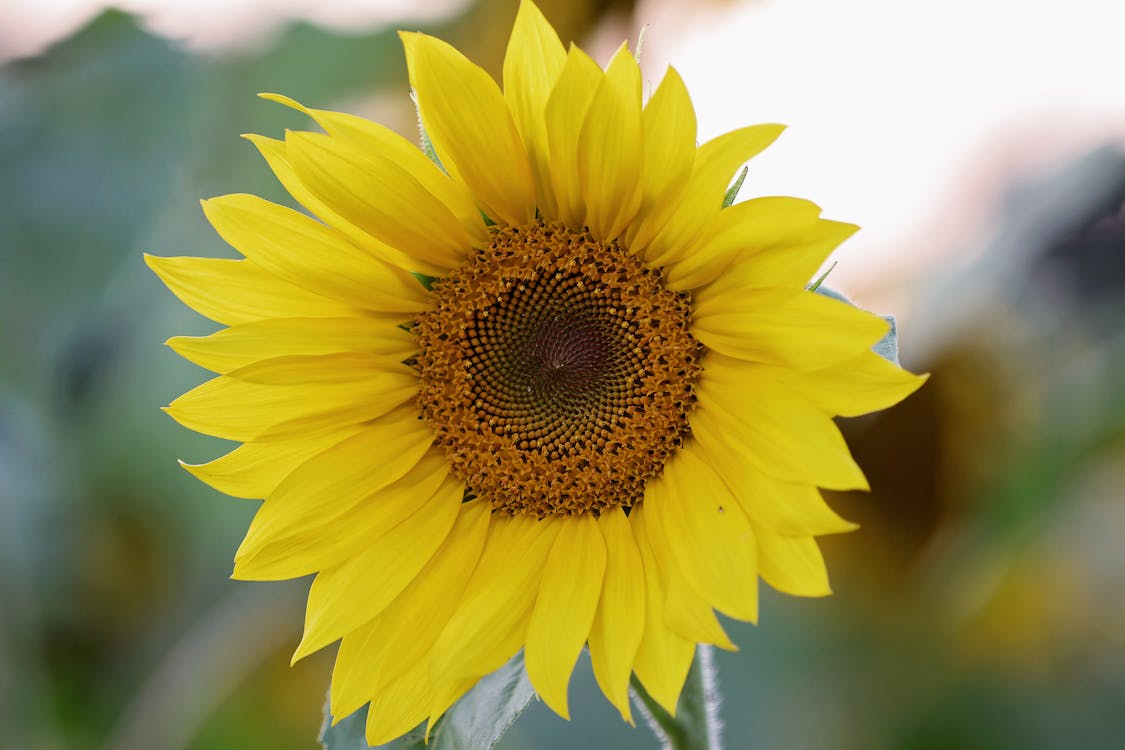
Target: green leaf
(732,191)
(476,722)
(886,347)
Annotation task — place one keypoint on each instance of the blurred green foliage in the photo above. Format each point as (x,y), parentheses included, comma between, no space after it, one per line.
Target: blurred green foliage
(979,607)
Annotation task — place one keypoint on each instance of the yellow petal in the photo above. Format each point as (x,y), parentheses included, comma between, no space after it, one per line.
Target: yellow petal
(708,535)
(669,126)
(857,386)
(238,291)
(276,154)
(686,612)
(715,165)
(792,565)
(284,396)
(619,620)
(490,622)
(254,470)
(784,507)
(777,432)
(310,255)
(346,596)
(850,388)
(565,114)
(532,65)
(791,263)
(373,137)
(742,228)
(611,149)
(664,658)
(446,694)
(564,609)
(378,196)
(399,639)
(398,707)
(471,128)
(402,705)
(798,329)
(287,537)
(246,343)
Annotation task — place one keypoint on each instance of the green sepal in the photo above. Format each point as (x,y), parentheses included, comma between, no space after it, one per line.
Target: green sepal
(424,137)
(732,191)
(820,279)
(424,280)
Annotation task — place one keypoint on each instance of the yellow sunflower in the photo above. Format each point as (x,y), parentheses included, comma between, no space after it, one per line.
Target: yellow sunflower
(546,395)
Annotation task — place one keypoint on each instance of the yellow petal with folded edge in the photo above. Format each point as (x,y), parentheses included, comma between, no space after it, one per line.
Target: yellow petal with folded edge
(686,612)
(779,433)
(490,622)
(332,482)
(407,701)
(310,255)
(709,537)
(799,329)
(784,507)
(398,640)
(663,658)
(398,707)
(254,470)
(669,128)
(238,291)
(276,154)
(345,597)
(565,114)
(744,227)
(373,137)
(792,564)
(240,345)
(378,196)
(471,128)
(792,262)
(715,165)
(866,383)
(532,65)
(446,694)
(339,389)
(610,156)
(564,609)
(619,620)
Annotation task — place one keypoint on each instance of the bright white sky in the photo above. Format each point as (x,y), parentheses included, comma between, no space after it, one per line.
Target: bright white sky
(906,117)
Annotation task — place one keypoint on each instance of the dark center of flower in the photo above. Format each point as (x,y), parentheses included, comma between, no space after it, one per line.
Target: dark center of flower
(557,372)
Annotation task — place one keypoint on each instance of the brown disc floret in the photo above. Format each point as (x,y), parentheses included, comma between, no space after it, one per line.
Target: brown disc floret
(557,371)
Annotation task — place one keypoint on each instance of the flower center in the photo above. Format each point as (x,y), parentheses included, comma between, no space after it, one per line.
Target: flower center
(557,372)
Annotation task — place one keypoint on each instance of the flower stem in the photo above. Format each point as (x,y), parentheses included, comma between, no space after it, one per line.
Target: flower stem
(696,724)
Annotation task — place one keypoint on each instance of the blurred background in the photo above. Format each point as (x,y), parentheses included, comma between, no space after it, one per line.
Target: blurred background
(980,144)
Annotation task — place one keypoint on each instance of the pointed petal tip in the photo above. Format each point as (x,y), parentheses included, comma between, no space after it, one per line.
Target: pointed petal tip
(282,99)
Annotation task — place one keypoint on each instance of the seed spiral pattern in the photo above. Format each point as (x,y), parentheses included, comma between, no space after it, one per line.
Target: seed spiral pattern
(556,371)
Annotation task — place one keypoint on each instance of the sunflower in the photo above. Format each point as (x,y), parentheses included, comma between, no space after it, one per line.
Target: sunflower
(540,392)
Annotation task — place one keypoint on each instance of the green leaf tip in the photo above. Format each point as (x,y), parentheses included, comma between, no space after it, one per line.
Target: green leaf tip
(820,279)
(732,191)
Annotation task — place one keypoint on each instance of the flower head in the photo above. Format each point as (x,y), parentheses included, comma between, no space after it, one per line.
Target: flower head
(546,395)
